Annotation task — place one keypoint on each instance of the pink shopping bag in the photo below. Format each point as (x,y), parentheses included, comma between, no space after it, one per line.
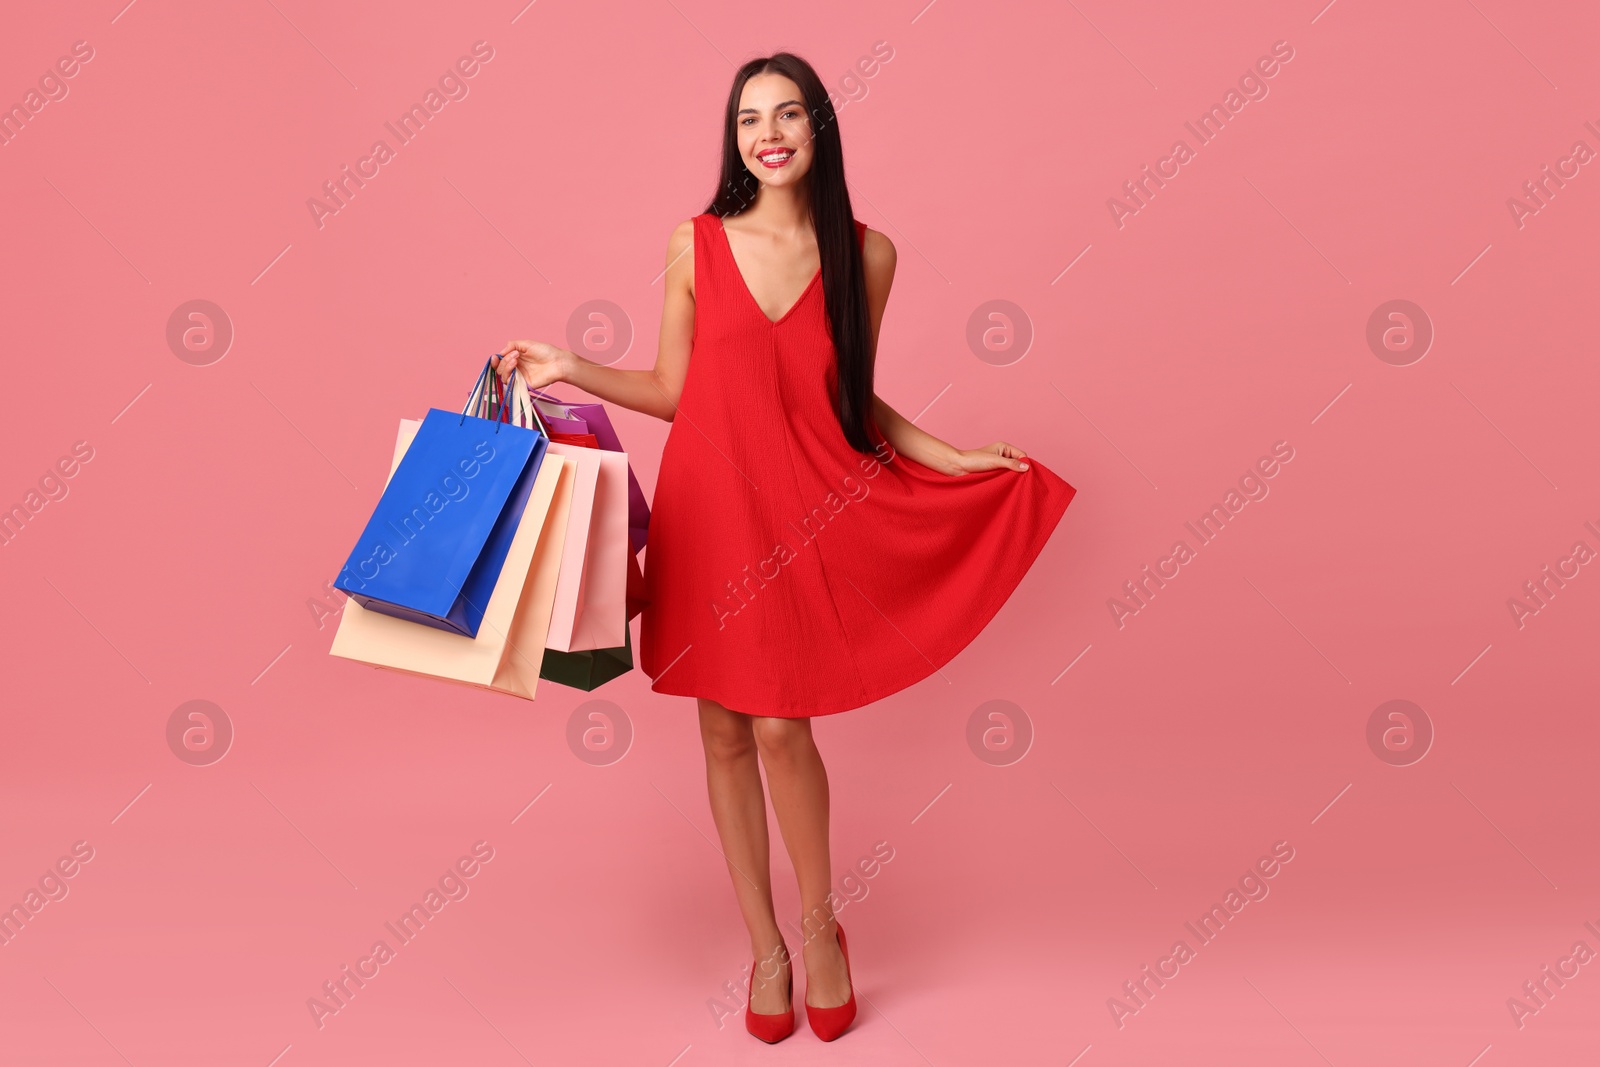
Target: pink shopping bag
(590,610)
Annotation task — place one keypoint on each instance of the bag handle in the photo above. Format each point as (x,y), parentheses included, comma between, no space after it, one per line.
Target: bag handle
(503,398)
(496,400)
(474,404)
(524,404)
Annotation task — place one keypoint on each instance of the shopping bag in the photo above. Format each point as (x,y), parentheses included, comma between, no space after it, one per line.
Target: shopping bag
(560,417)
(435,544)
(591,610)
(508,650)
(588,670)
(575,557)
(591,602)
(602,620)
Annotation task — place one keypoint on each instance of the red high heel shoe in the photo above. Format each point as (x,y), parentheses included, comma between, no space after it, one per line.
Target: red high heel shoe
(770,1028)
(829,1023)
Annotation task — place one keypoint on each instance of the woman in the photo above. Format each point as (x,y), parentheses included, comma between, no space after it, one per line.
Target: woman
(809,550)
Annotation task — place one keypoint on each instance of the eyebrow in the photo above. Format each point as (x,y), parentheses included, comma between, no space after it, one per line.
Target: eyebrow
(776,107)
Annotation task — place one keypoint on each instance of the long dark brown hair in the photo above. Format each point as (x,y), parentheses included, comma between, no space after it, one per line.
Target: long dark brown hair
(844,285)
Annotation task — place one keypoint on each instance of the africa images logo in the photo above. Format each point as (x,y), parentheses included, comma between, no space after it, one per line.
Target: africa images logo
(1252,85)
(355,577)
(740,596)
(452,85)
(1137,594)
(451,886)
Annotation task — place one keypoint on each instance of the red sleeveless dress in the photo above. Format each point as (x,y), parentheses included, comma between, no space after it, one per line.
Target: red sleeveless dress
(788,574)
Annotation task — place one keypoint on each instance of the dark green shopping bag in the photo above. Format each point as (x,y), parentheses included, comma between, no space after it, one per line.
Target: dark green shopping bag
(588,670)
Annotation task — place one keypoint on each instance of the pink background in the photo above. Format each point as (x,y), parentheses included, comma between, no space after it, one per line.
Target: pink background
(1230,713)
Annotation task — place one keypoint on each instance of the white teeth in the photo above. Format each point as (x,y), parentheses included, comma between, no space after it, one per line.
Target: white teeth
(775,156)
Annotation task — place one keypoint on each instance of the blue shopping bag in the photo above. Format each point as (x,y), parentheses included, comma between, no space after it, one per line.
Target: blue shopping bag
(433,549)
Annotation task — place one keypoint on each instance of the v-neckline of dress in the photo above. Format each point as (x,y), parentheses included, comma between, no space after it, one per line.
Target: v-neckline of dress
(746,285)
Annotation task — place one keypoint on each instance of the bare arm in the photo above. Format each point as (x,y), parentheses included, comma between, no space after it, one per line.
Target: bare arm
(903,436)
(653,392)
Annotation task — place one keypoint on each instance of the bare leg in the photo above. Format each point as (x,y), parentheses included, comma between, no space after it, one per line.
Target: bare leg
(739,808)
(799,785)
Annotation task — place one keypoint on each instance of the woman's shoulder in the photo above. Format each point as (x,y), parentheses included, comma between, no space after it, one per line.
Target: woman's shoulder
(680,250)
(876,248)
(683,233)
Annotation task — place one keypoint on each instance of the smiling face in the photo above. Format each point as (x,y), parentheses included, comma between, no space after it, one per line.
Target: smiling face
(774,130)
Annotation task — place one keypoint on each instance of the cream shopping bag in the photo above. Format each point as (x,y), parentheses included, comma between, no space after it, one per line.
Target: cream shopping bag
(506,654)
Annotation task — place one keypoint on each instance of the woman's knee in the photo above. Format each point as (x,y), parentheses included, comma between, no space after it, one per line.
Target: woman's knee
(725,734)
(781,738)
